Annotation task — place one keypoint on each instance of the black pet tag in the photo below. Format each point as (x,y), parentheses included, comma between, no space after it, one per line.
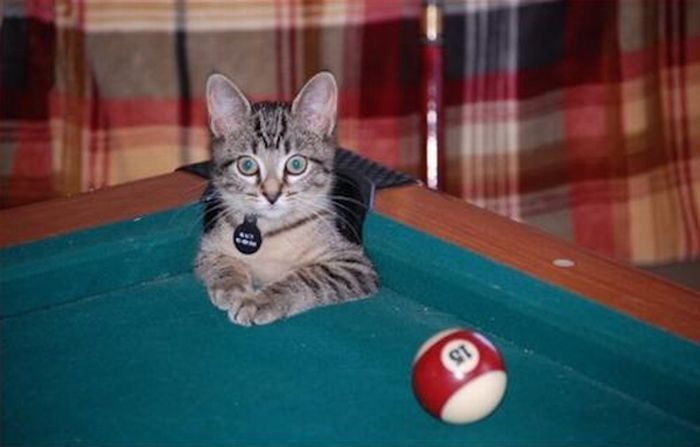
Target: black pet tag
(247,237)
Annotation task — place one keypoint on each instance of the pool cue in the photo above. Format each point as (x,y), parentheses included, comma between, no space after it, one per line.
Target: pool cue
(432,134)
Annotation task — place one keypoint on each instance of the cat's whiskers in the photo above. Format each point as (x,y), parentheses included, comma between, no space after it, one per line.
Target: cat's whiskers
(339,178)
(347,207)
(328,209)
(349,210)
(190,226)
(334,197)
(315,212)
(208,211)
(213,211)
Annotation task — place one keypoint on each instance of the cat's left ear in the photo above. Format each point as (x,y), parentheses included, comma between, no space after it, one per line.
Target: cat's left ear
(317,102)
(227,105)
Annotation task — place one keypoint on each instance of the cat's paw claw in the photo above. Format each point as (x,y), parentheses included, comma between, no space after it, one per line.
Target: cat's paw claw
(227,298)
(219,299)
(243,315)
(251,312)
(267,313)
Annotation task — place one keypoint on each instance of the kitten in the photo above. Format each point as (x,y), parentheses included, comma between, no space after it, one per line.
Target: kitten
(273,165)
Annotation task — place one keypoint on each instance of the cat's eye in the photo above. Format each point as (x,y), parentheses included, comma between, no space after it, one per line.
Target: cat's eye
(247,165)
(296,165)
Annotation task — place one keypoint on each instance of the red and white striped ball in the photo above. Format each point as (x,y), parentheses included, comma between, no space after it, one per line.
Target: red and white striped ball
(459,376)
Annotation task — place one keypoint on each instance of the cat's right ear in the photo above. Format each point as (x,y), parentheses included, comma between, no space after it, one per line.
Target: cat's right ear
(227,105)
(316,103)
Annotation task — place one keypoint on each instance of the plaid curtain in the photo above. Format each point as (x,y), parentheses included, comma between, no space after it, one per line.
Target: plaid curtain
(98,93)
(581,117)
(577,116)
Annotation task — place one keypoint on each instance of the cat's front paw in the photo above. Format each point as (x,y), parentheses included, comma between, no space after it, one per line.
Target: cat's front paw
(226,298)
(256,310)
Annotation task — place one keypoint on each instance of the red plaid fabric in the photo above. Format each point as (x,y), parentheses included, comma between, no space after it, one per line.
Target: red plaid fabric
(581,117)
(577,116)
(97,93)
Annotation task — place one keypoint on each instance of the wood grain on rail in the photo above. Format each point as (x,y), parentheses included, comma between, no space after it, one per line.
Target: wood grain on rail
(611,283)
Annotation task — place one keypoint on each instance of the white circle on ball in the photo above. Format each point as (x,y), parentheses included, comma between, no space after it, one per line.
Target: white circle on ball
(433,340)
(459,356)
(476,399)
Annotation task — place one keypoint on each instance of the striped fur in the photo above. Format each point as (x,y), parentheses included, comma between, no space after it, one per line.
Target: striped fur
(304,262)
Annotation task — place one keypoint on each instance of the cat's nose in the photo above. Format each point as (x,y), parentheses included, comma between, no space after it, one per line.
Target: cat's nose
(272,196)
(271,189)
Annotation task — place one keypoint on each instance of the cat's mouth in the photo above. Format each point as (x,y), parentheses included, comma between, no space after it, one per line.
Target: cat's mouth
(274,210)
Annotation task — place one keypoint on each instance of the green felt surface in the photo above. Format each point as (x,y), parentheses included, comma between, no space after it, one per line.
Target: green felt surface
(106,338)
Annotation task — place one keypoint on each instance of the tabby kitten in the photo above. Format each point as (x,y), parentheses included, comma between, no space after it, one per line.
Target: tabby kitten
(273,168)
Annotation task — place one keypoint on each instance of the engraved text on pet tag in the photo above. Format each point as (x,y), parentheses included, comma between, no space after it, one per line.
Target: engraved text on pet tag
(246,236)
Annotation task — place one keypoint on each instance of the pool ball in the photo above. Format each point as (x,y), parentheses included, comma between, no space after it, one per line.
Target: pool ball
(459,376)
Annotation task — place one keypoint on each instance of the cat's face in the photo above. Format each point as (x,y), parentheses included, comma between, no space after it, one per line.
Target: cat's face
(273,160)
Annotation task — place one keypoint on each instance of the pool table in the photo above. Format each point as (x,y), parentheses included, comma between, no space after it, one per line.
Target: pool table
(107,338)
